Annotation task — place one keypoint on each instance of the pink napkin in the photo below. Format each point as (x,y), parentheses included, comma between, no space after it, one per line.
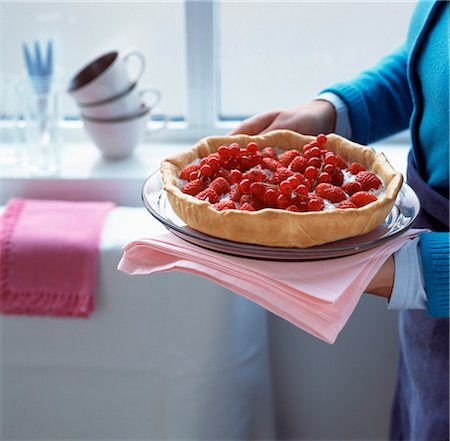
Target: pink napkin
(49,252)
(316,296)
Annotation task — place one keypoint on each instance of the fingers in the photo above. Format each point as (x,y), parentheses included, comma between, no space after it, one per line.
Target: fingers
(255,124)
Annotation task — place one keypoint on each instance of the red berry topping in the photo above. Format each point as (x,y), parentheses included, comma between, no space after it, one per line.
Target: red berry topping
(224,151)
(286,157)
(286,188)
(234,149)
(281,174)
(270,163)
(193,187)
(321,139)
(235,194)
(258,189)
(298,164)
(224,173)
(346,204)
(355,168)
(352,187)
(206,170)
(283,201)
(269,152)
(194,175)
(224,205)
(323,177)
(256,175)
(252,147)
(330,158)
(314,152)
(220,185)
(292,208)
(315,162)
(311,172)
(270,196)
(330,192)
(235,176)
(337,177)
(209,194)
(246,206)
(315,203)
(185,173)
(244,185)
(302,190)
(368,180)
(362,198)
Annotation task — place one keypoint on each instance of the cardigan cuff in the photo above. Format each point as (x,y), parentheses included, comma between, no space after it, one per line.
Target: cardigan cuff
(357,108)
(434,248)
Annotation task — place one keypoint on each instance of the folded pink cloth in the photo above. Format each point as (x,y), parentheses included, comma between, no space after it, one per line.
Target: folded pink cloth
(316,296)
(49,253)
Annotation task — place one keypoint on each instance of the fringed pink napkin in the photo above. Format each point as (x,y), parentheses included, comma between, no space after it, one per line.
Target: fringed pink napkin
(49,253)
(316,296)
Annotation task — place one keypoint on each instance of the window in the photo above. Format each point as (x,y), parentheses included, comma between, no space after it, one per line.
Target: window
(214,62)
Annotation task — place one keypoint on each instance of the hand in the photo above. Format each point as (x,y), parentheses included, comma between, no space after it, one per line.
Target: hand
(313,118)
(383,282)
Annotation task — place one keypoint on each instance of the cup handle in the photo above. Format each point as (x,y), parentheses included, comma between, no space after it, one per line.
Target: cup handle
(135,52)
(161,127)
(154,97)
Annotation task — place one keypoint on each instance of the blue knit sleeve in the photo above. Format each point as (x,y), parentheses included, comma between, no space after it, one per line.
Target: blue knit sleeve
(379,99)
(435,250)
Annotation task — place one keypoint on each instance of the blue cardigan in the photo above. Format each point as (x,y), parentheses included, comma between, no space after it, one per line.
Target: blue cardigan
(410,88)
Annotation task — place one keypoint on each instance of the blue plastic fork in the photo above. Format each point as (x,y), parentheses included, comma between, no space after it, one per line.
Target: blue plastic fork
(40,68)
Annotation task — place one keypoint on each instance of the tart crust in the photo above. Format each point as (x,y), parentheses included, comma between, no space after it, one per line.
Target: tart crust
(276,227)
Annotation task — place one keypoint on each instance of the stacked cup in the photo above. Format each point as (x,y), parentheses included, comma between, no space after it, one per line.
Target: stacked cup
(114,111)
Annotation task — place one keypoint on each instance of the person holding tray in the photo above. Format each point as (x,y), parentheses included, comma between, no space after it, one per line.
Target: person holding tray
(408,88)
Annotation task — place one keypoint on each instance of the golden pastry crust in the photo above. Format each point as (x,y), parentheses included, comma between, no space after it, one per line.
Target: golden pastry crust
(276,227)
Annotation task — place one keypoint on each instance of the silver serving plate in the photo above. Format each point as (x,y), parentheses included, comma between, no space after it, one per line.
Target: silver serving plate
(400,219)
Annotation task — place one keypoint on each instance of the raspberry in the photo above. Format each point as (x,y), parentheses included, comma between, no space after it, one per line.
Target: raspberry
(337,177)
(368,180)
(247,207)
(220,185)
(252,200)
(256,175)
(224,173)
(352,187)
(315,203)
(193,187)
(224,205)
(330,192)
(293,208)
(244,185)
(362,198)
(209,194)
(235,194)
(298,164)
(355,168)
(281,174)
(270,163)
(346,204)
(188,170)
(341,162)
(206,170)
(286,157)
(269,152)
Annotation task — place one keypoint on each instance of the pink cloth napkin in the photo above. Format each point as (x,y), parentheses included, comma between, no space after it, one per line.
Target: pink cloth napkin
(49,253)
(316,296)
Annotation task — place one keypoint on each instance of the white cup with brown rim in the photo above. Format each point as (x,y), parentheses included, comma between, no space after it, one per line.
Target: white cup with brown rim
(106,77)
(124,105)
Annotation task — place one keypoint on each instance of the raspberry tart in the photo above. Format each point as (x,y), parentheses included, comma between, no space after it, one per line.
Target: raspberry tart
(281,189)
